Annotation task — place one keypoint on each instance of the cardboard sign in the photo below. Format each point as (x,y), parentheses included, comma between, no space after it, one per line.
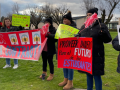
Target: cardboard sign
(75,53)
(65,31)
(20,20)
(26,45)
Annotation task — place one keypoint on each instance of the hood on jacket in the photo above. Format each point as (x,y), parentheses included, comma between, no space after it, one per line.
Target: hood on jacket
(73,24)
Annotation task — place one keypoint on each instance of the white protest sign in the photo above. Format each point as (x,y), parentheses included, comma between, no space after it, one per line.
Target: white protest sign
(118,29)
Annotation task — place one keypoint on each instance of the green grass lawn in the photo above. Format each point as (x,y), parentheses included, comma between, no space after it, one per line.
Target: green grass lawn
(113,34)
(26,77)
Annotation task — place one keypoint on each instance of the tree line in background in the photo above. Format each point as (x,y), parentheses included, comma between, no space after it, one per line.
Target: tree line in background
(106,8)
(39,13)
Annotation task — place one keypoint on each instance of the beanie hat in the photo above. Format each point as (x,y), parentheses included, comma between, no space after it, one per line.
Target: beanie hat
(93,10)
(68,16)
(49,20)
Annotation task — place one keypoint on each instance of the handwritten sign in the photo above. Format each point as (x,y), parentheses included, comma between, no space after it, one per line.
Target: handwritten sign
(65,31)
(75,53)
(20,20)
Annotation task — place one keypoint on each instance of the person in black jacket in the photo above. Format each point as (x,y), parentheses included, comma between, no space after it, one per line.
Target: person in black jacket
(7,27)
(49,50)
(116,46)
(100,34)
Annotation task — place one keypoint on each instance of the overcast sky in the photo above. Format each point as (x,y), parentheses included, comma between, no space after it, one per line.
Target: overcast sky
(73,5)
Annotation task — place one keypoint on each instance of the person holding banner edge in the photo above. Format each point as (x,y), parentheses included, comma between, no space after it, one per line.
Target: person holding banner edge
(100,34)
(7,27)
(48,51)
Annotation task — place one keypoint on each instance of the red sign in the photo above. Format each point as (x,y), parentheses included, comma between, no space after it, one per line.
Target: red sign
(75,53)
(26,45)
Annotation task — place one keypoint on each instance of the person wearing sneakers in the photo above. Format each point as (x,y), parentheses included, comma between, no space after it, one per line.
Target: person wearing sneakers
(7,27)
(48,51)
(68,73)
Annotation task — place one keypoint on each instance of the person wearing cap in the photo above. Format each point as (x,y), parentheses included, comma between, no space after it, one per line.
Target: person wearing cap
(100,35)
(49,50)
(68,73)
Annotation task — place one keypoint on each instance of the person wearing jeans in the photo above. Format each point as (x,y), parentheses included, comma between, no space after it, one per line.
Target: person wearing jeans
(7,27)
(68,73)
(9,65)
(99,33)
(98,82)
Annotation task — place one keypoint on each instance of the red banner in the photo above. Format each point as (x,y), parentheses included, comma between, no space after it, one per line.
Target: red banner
(75,53)
(26,45)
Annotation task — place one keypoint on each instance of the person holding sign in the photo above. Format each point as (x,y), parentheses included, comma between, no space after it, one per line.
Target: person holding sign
(68,73)
(100,34)
(7,27)
(48,51)
(116,46)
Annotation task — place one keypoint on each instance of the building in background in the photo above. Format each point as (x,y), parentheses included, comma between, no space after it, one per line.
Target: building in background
(79,21)
(112,25)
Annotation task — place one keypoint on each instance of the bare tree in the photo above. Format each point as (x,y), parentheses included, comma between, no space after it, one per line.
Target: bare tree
(47,9)
(9,15)
(2,18)
(106,7)
(36,15)
(109,7)
(89,4)
(55,12)
(58,14)
(15,8)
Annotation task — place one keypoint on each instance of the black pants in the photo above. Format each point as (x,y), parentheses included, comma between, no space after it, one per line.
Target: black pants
(46,58)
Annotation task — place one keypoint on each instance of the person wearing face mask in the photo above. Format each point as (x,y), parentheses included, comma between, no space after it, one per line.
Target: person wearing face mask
(7,27)
(100,35)
(48,51)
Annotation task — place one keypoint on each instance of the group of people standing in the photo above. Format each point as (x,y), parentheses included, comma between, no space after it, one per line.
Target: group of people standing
(100,34)
(98,31)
